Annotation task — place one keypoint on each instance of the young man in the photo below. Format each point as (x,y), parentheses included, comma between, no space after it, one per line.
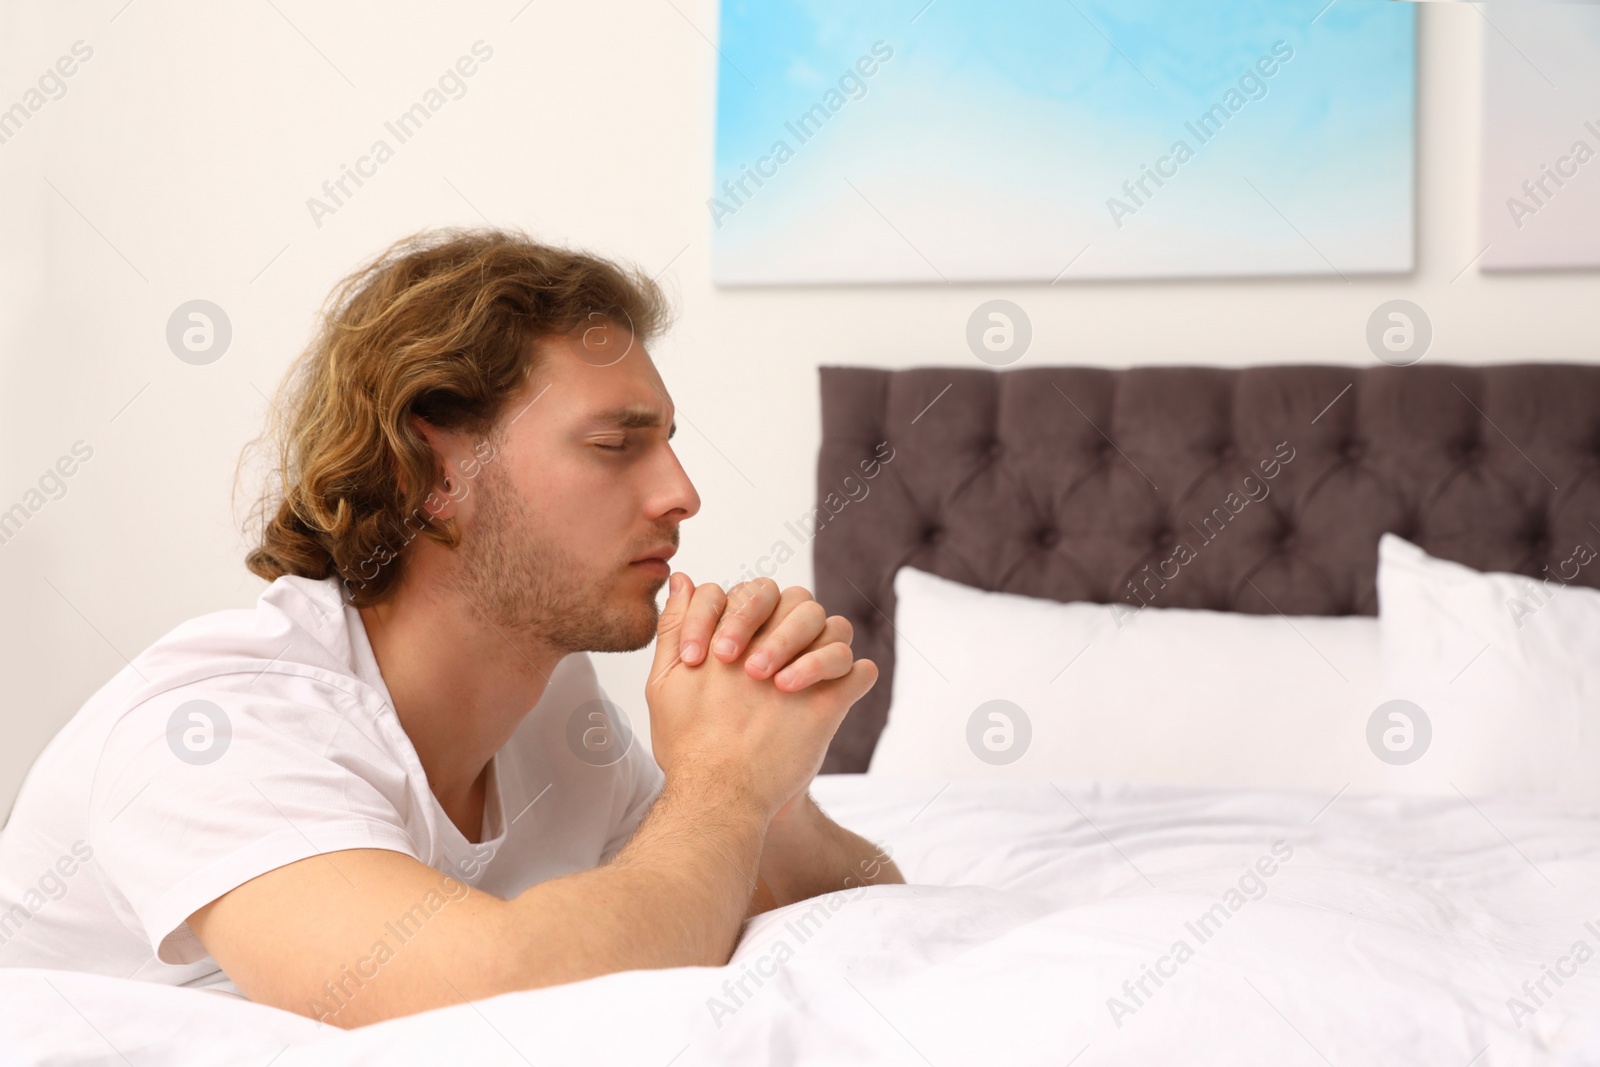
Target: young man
(395,784)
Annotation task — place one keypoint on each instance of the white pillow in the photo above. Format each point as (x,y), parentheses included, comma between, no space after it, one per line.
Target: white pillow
(1505,668)
(1155,695)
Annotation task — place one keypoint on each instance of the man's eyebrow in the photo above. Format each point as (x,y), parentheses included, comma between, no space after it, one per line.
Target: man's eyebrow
(634,418)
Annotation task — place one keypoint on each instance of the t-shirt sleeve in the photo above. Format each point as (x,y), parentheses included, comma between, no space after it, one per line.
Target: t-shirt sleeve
(203,788)
(645,780)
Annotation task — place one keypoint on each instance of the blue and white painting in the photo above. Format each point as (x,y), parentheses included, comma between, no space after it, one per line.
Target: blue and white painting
(1053,140)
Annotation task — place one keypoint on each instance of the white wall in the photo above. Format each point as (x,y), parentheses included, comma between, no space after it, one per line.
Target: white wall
(178,166)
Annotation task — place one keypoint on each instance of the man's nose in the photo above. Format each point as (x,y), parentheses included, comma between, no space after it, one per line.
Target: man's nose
(678,495)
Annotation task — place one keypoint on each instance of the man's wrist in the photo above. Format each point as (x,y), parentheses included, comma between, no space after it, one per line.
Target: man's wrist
(797,814)
(800,851)
(718,792)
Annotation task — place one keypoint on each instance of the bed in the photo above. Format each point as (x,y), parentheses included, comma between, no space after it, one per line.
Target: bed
(1064,482)
(1092,919)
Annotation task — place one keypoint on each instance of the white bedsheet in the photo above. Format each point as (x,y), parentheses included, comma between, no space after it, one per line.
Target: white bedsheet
(1395,933)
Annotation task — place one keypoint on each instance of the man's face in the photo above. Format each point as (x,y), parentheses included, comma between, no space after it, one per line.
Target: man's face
(583,485)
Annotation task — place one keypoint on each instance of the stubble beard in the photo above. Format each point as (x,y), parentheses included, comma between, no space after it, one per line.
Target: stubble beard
(534,591)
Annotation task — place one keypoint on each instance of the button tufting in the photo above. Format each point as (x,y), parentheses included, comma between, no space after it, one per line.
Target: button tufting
(932,535)
(996,449)
(1228,451)
(1352,450)
(1161,537)
(1048,538)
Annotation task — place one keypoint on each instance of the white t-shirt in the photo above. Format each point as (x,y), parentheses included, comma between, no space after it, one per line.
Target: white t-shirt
(150,804)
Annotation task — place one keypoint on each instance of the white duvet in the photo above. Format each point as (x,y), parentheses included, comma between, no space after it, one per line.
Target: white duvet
(1048,925)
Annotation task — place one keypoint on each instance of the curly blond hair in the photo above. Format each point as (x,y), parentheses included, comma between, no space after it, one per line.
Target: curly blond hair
(443,325)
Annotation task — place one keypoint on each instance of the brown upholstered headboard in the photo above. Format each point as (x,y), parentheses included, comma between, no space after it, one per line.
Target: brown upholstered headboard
(1081,484)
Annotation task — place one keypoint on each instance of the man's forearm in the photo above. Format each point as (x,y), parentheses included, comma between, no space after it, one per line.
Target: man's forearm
(807,854)
(301,937)
(678,891)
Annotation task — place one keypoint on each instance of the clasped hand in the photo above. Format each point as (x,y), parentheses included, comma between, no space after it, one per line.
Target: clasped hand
(711,709)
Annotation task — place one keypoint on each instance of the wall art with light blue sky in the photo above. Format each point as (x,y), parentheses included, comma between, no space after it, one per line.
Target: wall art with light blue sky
(1050,140)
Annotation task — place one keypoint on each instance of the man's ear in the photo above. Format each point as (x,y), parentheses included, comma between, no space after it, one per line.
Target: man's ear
(448,488)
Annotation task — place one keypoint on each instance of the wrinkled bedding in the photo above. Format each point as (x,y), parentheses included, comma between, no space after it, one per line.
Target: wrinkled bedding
(1048,924)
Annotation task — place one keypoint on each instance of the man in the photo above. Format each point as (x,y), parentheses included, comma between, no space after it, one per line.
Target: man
(340,802)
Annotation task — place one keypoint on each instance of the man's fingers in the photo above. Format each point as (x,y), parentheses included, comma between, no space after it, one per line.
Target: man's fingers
(805,629)
(669,627)
(824,664)
(705,608)
(862,677)
(750,605)
(841,694)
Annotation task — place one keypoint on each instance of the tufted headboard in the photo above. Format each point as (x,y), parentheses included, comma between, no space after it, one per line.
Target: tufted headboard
(1080,483)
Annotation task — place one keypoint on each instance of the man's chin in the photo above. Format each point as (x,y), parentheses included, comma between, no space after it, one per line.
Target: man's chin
(632,628)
